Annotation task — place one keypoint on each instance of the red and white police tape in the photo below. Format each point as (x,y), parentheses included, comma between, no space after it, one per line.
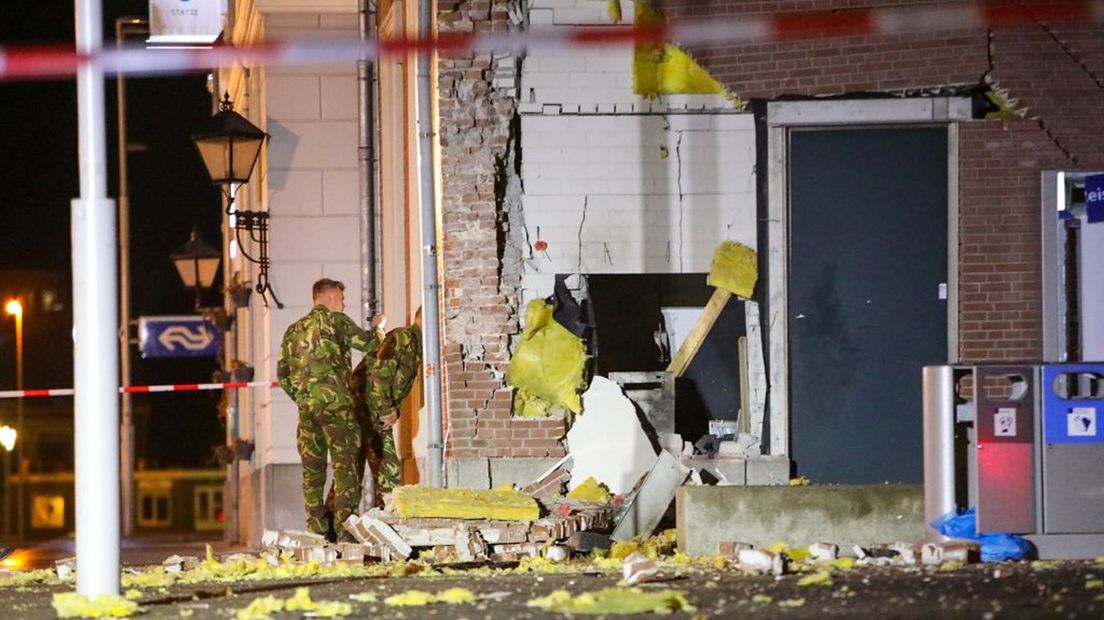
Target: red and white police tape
(60,62)
(143,389)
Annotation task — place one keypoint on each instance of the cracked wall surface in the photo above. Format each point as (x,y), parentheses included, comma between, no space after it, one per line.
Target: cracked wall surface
(481,240)
(615,182)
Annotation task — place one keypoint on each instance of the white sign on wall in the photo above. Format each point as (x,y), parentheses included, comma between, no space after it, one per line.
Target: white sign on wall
(185,22)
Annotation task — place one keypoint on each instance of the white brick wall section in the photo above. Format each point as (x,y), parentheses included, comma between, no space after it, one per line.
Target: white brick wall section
(319,238)
(295,192)
(635,221)
(312,144)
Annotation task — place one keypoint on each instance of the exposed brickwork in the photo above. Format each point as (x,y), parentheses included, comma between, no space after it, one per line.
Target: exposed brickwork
(1054,73)
(480,299)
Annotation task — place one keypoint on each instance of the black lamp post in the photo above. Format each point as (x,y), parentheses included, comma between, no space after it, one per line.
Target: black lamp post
(230,146)
(197,263)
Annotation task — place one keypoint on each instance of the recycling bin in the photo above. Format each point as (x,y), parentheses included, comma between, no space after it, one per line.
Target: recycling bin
(1072,449)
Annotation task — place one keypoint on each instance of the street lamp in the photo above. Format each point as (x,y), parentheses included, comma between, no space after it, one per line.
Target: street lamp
(197,263)
(230,146)
(7,441)
(15,308)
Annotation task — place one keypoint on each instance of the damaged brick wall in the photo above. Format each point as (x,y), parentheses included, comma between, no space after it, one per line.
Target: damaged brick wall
(480,213)
(1054,73)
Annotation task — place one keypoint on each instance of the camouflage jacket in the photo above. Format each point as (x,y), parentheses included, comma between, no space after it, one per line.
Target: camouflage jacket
(314,356)
(383,380)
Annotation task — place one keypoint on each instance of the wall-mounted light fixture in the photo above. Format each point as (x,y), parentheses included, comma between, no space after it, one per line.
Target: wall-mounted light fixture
(230,146)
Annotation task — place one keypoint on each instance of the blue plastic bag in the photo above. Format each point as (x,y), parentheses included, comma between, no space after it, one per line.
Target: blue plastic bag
(995,546)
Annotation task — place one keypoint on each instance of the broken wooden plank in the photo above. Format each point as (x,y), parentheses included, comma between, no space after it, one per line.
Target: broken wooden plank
(681,360)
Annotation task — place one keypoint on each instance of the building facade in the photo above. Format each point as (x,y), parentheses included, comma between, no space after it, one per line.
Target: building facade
(891,185)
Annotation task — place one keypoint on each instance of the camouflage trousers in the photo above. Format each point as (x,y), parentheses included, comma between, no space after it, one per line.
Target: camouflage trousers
(330,428)
(378,450)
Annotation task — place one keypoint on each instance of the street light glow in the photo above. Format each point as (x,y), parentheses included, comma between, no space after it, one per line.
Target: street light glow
(13,307)
(7,438)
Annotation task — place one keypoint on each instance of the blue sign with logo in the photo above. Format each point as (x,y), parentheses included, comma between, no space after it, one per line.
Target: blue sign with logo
(1094,198)
(1072,420)
(178,336)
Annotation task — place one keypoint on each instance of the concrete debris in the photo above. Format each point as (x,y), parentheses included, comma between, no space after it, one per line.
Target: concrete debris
(932,554)
(671,442)
(639,569)
(650,502)
(607,442)
(269,538)
(906,551)
(352,551)
(742,447)
(823,552)
(66,567)
(552,482)
(587,542)
(176,563)
(469,544)
(323,554)
(760,561)
(557,553)
(290,539)
(373,531)
(729,549)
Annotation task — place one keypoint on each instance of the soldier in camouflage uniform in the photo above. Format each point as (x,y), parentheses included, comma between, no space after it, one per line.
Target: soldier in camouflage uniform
(380,383)
(314,371)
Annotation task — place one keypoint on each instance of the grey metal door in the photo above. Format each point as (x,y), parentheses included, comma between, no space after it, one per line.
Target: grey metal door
(867,297)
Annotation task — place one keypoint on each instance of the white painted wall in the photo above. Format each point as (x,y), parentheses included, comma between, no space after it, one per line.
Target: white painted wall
(311,115)
(616,183)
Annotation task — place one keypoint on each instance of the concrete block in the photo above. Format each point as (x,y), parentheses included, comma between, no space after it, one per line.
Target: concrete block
(520,471)
(471,473)
(293,97)
(799,516)
(768,470)
(339,97)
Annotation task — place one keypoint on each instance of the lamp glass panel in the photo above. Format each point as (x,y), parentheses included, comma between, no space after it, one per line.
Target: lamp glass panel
(186,268)
(246,151)
(216,157)
(208,267)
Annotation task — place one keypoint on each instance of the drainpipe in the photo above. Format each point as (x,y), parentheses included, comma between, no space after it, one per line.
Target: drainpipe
(366,156)
(430,284)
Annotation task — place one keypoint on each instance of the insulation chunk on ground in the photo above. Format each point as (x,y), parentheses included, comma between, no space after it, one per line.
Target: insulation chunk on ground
(505,504)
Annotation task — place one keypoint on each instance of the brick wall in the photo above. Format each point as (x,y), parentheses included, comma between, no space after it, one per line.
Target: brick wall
(481,309)
(1053,72)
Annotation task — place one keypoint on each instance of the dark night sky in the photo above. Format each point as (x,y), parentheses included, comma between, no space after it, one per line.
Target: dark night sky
(169,192)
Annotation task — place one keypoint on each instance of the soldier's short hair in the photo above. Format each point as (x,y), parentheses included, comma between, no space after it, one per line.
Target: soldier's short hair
(324,286)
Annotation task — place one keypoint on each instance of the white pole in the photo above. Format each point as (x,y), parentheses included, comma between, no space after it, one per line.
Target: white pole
(95,315)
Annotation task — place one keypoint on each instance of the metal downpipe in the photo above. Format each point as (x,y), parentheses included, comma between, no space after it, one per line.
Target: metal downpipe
(430,277)
(366,156)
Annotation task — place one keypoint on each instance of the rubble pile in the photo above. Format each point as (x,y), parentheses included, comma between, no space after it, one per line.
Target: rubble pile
(393,534)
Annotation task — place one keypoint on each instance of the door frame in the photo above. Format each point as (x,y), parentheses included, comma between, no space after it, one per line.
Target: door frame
(784,116)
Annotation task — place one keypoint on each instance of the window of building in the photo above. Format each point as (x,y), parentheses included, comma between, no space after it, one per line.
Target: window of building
(208,508)
(155,505)
(47,512)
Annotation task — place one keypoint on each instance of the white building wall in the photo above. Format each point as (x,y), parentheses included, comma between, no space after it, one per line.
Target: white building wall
(617,183)
(312,188)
